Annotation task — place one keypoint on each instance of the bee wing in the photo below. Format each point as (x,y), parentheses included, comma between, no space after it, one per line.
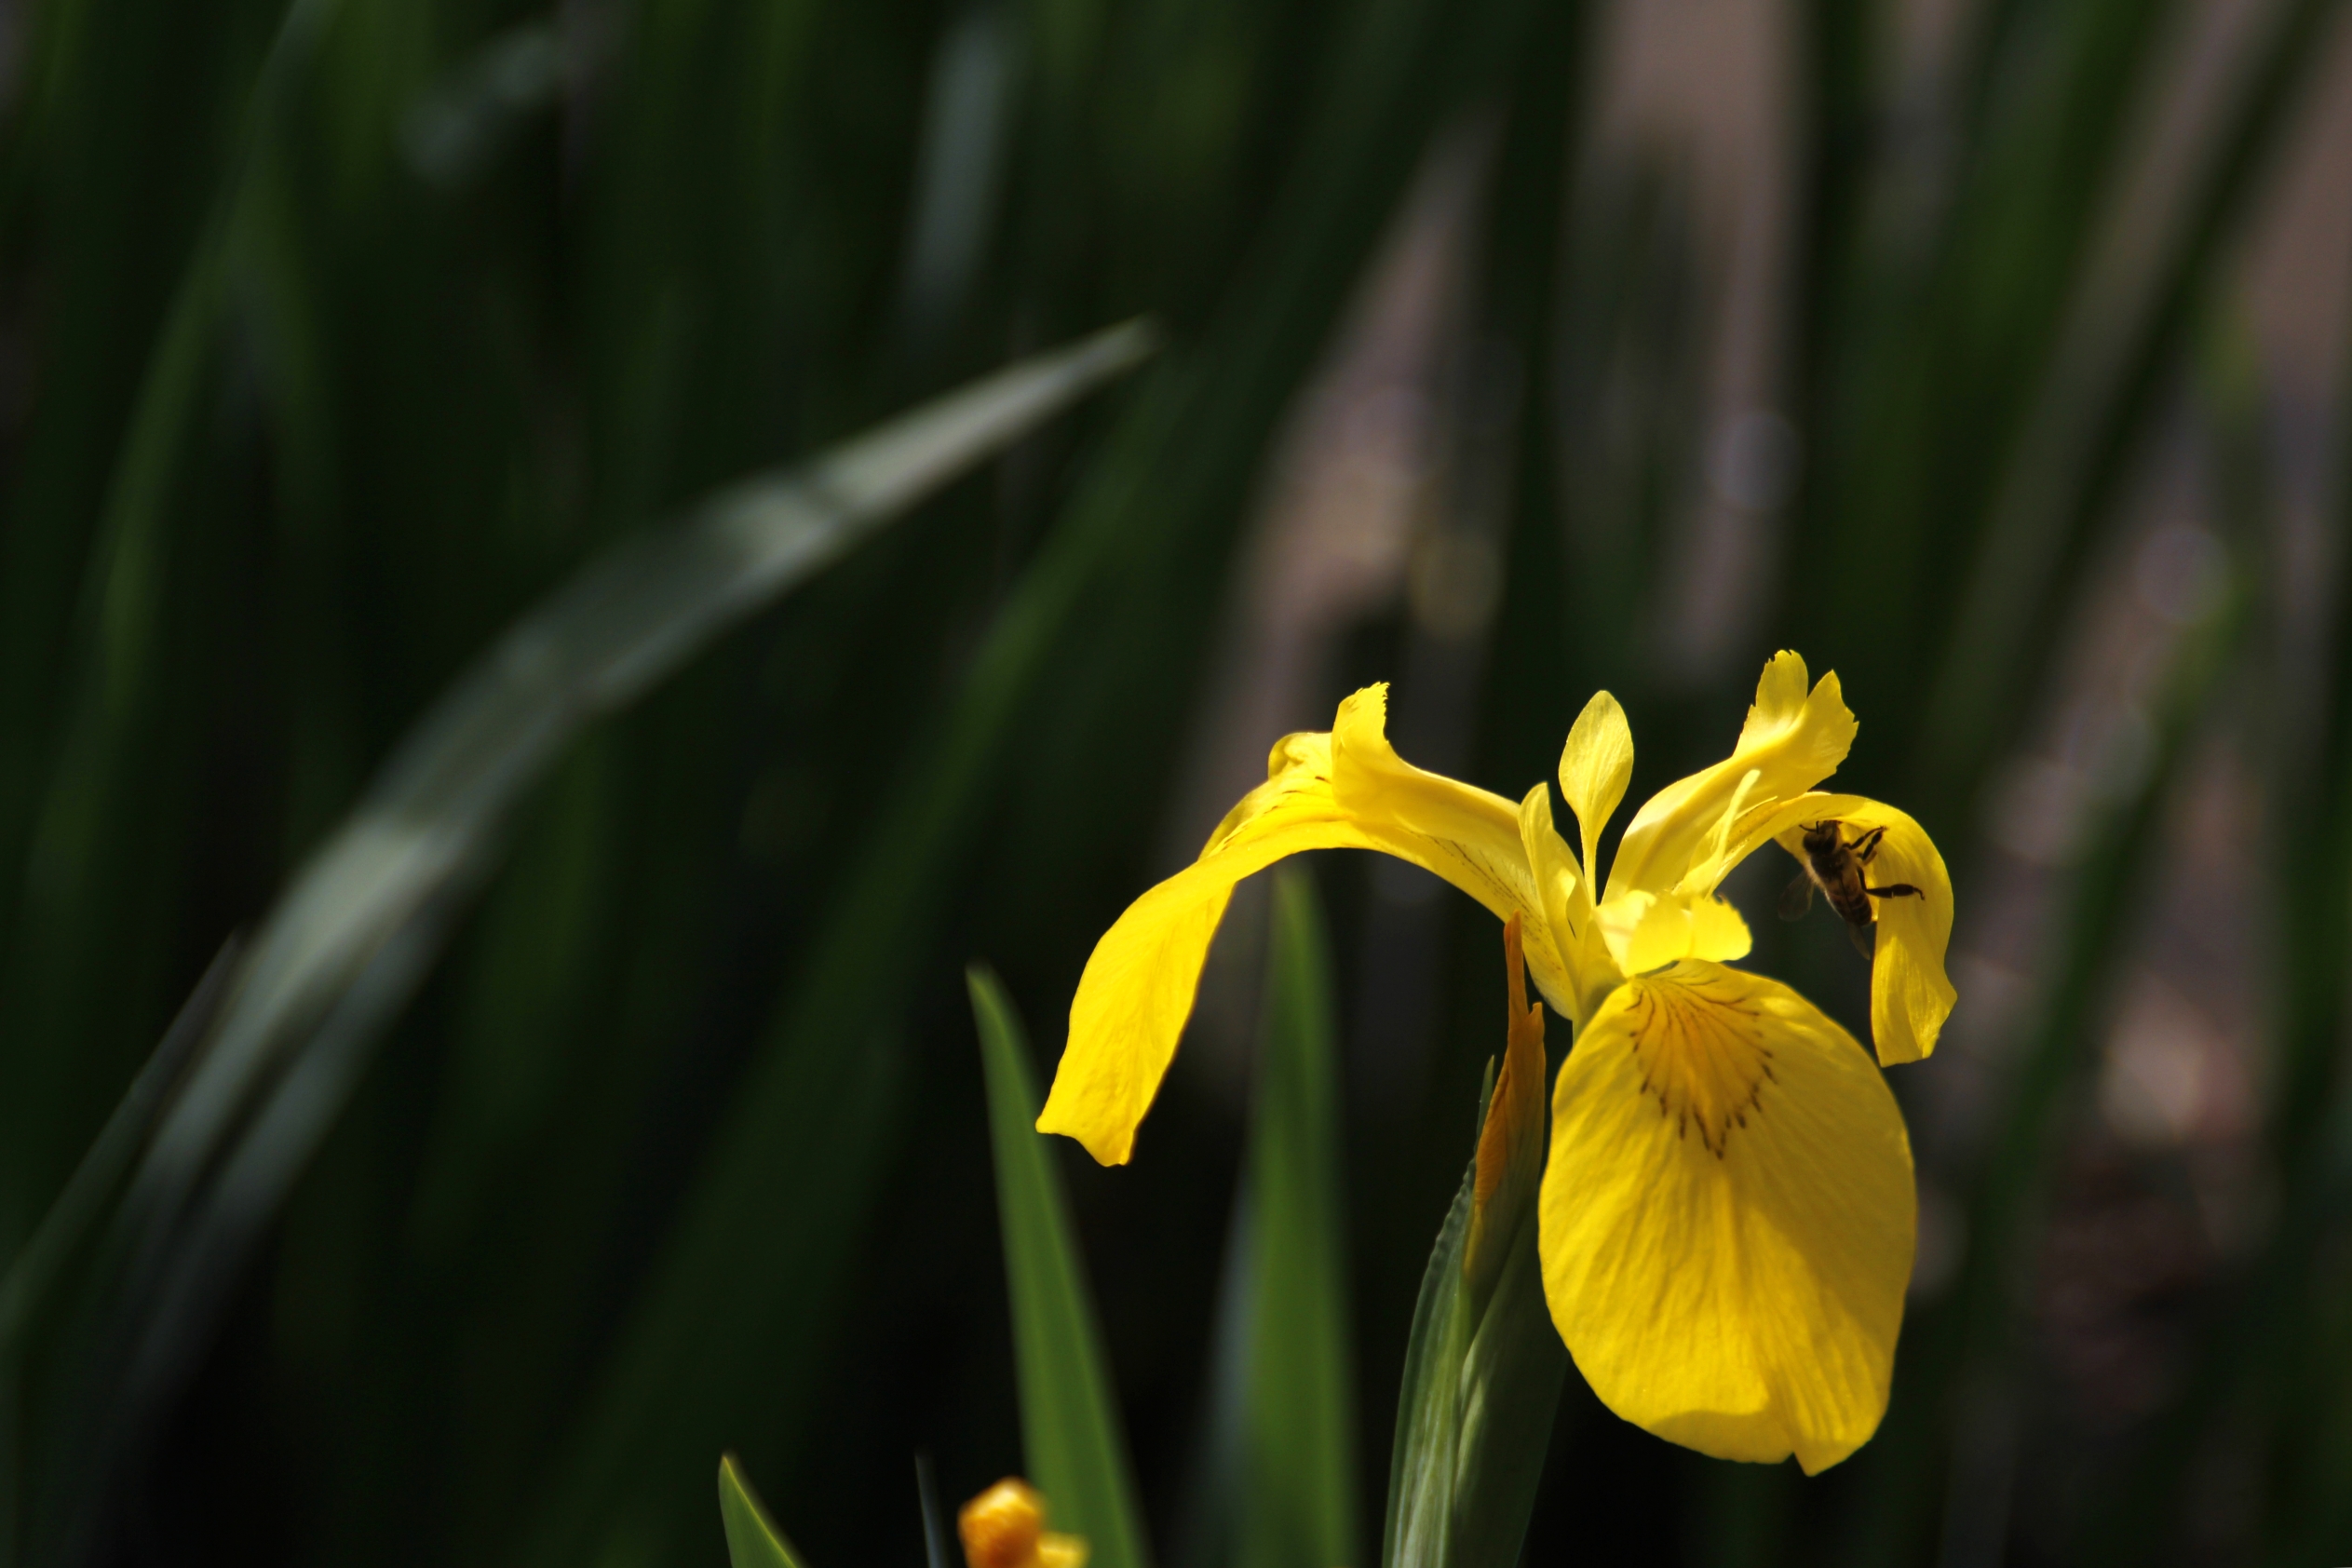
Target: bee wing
(1797,897)
(1865,938)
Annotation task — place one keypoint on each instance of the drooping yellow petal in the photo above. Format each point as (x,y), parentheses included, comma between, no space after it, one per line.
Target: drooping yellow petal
(1728,1218)
(1595,766)
(1344,790)
(1910,995)
(1565,894)
(1793,739)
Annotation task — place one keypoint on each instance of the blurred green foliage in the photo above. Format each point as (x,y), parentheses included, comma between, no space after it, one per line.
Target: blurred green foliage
(1071,1445)
(332,338)
(1278,1477)
(753,1541)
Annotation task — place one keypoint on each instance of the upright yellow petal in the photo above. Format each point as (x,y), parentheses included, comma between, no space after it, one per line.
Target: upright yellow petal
(1595,766)
(1728,1218)
(1793,739)
(1910,995)
(1344,790)
(1564,894)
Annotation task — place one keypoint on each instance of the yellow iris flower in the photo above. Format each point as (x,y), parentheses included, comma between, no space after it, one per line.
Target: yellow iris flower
(1727,1215)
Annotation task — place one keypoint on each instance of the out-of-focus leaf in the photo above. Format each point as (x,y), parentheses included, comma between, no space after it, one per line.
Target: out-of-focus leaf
(753,1541)
(1926,1451)
(1071,1439)
(935,1534)
(1279,1487)
(353,935)
(1120,592)
(82,879)
(450,132)
(2264,1326)
(83,1203)
(2072,467)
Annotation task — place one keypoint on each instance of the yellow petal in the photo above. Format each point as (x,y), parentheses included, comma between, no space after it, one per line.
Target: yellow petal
(1717,931)
(1647,931)
(1344,790)
(1565,896)
(1727,1217)
(1791,742)
(1595,766)
(1911,996)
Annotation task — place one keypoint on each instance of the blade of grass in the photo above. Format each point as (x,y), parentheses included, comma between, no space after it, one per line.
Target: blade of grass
(347,942)
(2035,548)
(1071,1435)
(1297,1501)
(83,1204)
(727,1271)
(74,880)
(1278,1457)
(1071,1441)
(1115,597)
(935,1526)
(2258,1331)
(753,1541)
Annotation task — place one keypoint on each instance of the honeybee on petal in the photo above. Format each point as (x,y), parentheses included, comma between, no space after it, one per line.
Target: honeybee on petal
(1835,866)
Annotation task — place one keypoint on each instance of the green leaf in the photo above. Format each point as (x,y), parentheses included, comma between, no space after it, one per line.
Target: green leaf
(1074,1452)
(753,1541)
(1298,1499)
(1428,1403)
(361,922)
(1475,1414)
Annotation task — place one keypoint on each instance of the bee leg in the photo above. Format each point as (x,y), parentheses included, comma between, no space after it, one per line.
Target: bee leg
(1896,890)
(1864,941)
(1867,845)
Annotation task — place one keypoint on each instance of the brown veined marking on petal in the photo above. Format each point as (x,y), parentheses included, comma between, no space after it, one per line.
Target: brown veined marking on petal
(1701,1054)
(1505,892)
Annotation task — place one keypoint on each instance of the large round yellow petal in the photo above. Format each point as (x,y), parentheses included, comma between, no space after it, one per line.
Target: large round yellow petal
(1346,789)
(1794,737)
(1728,1217)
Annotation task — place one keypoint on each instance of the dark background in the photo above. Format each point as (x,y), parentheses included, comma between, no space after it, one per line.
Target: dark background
(1989,354)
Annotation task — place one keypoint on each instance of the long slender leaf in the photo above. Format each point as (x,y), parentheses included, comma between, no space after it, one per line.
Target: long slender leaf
(1121,586)
(1280,1455)
(753,1541)
(713,1299)
(1074,1447)
(350,939)
(2074,470)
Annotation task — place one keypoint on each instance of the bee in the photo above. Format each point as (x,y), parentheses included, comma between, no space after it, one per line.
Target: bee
(1835,866)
